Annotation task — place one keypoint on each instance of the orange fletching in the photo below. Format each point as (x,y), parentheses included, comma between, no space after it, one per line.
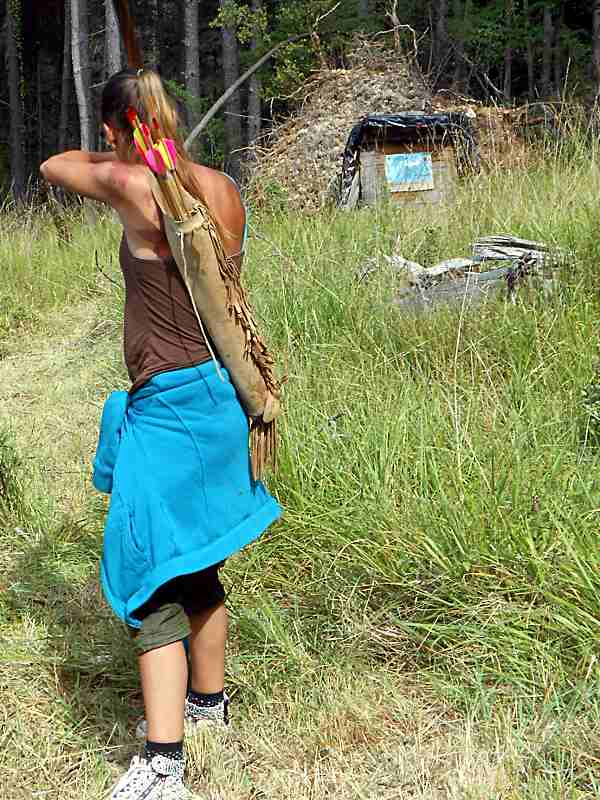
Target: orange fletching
(132,116)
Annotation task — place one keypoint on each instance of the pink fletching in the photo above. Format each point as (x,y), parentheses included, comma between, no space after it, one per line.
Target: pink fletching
(170,145)
(155,162)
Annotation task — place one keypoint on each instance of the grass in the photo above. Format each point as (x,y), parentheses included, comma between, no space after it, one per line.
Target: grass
(423,622)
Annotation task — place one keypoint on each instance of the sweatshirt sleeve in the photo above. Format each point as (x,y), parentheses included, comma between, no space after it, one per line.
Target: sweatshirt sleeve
(111,424)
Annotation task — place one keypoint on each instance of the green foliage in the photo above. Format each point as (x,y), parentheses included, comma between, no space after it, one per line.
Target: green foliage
(294,62)
(591,408)
(248,24)
(45,267)
(488,29)
(209,148)
(334,30)
(487,34)
(485,27)
(432,468)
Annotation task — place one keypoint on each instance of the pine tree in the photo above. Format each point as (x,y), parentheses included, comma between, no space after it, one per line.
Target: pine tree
(81,70)
(192,62)
(233,109)
(13,69)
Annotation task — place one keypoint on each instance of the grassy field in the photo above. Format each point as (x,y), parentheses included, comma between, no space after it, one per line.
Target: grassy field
(424,621)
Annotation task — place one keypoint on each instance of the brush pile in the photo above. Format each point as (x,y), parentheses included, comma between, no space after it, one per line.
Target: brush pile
(498,131)
(303,156)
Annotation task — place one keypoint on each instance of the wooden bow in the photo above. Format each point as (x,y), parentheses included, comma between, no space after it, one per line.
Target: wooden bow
(128,34)
(135,60)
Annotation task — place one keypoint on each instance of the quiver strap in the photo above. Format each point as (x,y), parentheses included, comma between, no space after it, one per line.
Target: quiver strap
(225,318)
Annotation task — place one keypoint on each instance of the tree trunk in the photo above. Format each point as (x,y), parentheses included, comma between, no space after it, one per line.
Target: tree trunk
(233,119)
(13,68)
(363,8)
(151,33)
(508,58)
(81,70)
(112,40)
(558,52)
(547,52)
(508,51)
(530,53)
(441,33)
(40,107)
(192,60)
(459,45)
(66,82)
(254,91)
(431,54)
(596,45)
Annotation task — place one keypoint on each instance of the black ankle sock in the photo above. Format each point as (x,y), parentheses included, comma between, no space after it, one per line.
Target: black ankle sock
(205,700)
(172,750)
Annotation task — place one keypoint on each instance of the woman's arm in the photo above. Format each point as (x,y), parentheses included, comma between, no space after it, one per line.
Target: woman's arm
(99,176)
(85,157)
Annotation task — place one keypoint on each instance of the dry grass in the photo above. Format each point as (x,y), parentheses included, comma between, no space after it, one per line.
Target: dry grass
(69,694)
(67,722)
(411,629)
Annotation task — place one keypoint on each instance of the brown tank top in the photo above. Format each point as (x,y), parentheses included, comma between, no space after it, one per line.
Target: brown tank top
(161,331)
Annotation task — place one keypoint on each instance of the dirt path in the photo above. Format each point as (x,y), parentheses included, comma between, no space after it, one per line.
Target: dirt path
(51,394)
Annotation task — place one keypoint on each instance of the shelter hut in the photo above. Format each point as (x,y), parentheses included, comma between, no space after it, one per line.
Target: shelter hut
(411,157)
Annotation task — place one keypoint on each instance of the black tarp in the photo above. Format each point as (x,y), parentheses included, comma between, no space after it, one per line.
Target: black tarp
(409,127)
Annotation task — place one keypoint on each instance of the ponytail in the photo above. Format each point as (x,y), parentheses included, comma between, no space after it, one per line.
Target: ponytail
(144,90)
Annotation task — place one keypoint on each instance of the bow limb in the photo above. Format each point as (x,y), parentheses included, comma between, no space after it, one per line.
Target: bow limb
(128,33)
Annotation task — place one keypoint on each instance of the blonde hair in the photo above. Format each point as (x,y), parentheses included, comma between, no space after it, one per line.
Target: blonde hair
(144,91)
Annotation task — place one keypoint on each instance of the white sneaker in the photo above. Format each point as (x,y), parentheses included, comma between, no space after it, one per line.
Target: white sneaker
(196,717)
(158,778)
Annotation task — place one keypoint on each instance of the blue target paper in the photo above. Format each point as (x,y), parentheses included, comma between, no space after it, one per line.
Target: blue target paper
(409,172)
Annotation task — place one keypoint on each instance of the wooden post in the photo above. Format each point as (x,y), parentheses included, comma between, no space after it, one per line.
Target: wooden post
(369,180)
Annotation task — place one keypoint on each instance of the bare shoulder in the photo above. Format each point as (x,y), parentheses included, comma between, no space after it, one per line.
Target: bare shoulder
(130,179)
(132,199)
(223,199)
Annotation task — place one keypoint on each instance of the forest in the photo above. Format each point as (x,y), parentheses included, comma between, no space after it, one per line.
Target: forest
(58,53)
(423,621)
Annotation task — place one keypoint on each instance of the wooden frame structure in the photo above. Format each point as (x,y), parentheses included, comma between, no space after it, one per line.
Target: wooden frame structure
(411,158)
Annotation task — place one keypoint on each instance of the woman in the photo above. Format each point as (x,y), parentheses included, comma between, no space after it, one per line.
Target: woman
(183,498)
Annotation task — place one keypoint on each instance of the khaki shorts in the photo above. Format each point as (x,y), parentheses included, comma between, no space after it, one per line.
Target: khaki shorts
(165,616)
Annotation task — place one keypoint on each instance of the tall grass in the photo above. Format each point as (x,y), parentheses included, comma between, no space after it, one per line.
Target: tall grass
(441,502)
(440,487)
(50,258)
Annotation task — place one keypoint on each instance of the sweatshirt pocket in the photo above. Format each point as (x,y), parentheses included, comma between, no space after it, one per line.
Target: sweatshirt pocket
(136,556)
(125,559)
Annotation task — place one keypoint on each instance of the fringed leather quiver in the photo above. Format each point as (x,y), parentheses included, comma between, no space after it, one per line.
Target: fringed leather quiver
(226,319)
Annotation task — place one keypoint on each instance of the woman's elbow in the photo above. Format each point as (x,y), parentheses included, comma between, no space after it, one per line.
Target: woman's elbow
(48,170)
(45,170)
